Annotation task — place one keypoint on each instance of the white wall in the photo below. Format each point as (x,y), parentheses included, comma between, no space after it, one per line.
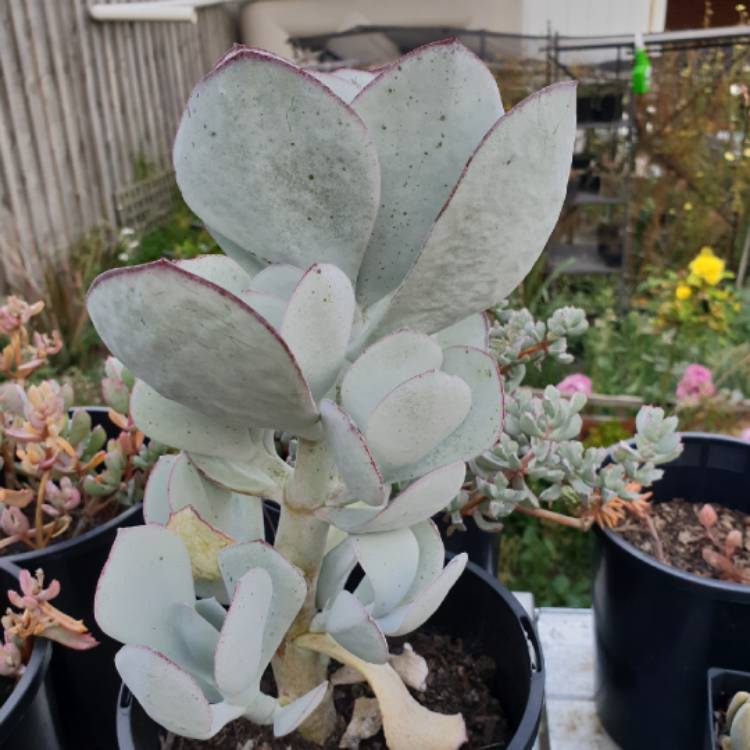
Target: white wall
(269,23)
(593,17)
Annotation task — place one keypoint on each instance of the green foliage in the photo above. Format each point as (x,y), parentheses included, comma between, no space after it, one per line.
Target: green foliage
(692,156)
(143,168)
(551,561)
(644,350)
(64,290)
(182,237)
(604,434)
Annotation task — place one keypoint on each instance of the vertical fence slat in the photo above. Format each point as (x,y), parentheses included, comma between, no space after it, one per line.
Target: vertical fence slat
(179,73)
(16,226)
(161,142)
(64,88)
(105,96)
(167,82)
(85,150)
(135,103)
(130,145)
(20,127)
(150,147)
(51,128)
(94,118)
(113,77)
(193,64)
(80,103)
(30,133)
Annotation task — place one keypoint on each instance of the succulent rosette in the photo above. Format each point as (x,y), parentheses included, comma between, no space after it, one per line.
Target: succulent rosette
(356,233)
(367,222)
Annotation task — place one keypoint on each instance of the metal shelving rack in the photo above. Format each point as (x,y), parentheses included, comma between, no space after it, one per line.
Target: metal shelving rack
(573,250)
(550,56)
(575,254)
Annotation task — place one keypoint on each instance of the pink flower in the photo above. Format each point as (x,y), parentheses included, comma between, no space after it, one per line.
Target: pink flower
(745,434)
(575,383)
(696,382)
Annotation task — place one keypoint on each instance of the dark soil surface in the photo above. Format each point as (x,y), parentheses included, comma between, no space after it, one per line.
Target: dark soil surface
(684,539)
(459,682)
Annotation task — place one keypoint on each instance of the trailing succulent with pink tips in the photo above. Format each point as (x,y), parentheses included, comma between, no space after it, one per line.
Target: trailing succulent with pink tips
(36,618)
(367,221)
(61,475)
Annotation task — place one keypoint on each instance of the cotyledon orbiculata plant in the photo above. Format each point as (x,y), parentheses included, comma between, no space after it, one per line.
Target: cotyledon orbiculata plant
(367,220)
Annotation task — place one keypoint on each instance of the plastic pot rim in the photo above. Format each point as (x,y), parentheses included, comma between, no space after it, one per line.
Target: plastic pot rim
(23,559)
(535,701)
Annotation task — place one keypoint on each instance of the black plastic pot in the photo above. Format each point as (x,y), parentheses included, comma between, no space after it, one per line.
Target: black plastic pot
(86,682)
(481,546)
(658,629)
(28,718)
(721,686)
(478,607)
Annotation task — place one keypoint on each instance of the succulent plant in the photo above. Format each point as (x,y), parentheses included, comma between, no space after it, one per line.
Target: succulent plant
(60,472)
(37,618)
(719,553)
(24,350)
(367,223)
(737,735)
(539,458)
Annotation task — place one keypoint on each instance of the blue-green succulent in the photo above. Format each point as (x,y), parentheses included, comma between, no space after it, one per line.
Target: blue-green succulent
(367,222)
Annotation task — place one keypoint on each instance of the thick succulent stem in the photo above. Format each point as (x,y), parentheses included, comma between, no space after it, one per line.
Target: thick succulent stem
(40,538)
(301,538)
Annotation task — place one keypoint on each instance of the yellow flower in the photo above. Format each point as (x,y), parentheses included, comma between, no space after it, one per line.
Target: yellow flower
(683,291)
(707,266)
(746,153)
(728,156)
(687,206)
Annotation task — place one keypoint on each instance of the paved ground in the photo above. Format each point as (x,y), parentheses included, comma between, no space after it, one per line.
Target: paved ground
(568,644)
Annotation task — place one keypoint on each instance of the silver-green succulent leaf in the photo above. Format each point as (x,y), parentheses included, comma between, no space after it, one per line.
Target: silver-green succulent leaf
(539,443)
(179,654)
(367,223)
(538,458)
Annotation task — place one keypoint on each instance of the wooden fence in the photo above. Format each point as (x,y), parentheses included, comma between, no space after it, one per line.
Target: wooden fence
(83,106)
